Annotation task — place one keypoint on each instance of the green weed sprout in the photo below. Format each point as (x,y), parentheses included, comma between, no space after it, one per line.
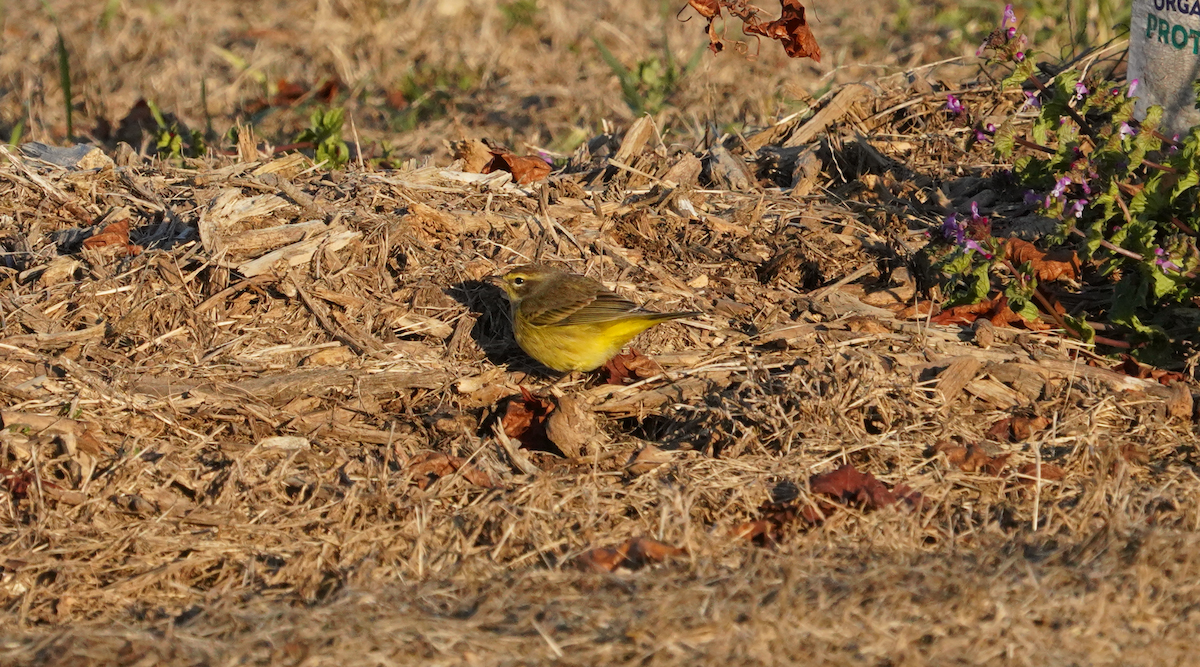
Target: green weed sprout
(325,134)
(648,87)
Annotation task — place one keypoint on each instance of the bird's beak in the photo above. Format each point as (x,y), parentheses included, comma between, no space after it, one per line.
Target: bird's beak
(494,280)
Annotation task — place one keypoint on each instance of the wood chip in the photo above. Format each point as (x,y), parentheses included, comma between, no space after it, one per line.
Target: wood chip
(1180,403)
(995,393)
(956,376)
(572,427)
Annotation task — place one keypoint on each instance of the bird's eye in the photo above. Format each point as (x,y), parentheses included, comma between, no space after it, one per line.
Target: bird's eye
(518,281)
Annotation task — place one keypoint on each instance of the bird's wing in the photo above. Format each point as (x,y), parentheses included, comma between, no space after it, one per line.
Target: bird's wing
(604,306)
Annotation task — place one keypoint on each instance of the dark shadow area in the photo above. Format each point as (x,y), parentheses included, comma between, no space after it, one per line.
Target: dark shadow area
(493,327)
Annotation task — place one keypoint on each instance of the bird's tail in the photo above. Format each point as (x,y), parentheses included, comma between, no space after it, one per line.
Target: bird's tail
(663,317)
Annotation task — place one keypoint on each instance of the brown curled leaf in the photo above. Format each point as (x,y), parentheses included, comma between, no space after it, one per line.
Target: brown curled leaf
(524,168)
(113,235)
(425,467)
(634,553)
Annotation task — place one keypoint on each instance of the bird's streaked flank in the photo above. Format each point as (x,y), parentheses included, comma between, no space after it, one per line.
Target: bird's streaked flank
(569,322)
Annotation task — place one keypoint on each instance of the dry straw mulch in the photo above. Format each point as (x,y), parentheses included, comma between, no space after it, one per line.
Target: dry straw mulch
(259,412)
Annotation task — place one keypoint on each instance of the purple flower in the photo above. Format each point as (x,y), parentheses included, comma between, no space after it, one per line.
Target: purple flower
(1077,207)
(956,232)
(1060,187)
(953,104)
(1126,131)
(1031,197)
(1133,85)
(1081,91)
(971,244)
(976,219)
(1009,16)
(1031,100)
(1019,56)
(952,230)
(1164,263)
(981,136)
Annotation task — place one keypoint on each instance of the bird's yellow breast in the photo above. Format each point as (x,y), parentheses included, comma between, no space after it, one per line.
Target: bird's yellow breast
(578,347)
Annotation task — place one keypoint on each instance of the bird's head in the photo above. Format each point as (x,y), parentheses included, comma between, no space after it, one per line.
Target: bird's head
(524,281)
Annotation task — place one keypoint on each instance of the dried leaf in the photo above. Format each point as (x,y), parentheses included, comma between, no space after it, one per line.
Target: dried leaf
(972,457)
(113,235)
(791,29)
(525,420)
(1023,428)
(648,458)
(706,8)
(1180,405)
(572,426)
(1049,472)
(848,485)
(1001,430)
(17,483)
(426,467)
(1047,266)
(996,311)
(629,367)
(634,553)
(525,169)
(1017,428)
(776,518)
(1133,368)
(474,153)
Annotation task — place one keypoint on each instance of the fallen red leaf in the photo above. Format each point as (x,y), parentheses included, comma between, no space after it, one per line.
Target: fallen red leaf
(426,467)
(114,234)
(1133,368)
(601,559)
(776,517)
(1017,428)
(1047,266)
(525,420)
(971,457)
(629,367)
(849,486)
(1023,428)
(1001,430)
(17,483)
(634,553)
(845,485)
(1049,472)
(994,310)
(525,169)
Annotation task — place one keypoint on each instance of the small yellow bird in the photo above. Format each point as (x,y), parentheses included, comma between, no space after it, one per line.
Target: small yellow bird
(570,322)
